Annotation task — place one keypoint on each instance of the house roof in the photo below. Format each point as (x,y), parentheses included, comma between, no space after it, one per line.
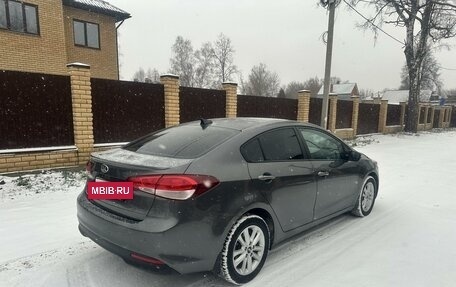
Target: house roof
(397,96)
(99,6)
(344,91)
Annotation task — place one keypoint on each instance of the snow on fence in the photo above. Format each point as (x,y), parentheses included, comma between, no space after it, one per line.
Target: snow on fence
(124,111)
(255,106)
(204,103)
(35,110)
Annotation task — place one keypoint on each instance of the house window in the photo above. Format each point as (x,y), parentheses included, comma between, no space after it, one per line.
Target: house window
(86,34)
(19,17)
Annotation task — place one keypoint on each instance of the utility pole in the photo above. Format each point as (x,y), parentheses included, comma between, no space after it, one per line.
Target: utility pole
(329,48)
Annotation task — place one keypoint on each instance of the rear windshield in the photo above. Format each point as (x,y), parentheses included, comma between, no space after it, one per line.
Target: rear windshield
(182,141)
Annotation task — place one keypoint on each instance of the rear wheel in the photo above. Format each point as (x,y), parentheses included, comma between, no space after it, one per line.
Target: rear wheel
(245,250)
(366,198)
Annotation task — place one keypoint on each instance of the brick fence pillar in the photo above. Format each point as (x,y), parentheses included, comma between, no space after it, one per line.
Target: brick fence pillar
(231,99)
(172,110)
(403,110)
(81,97)
(382,116)
(355,115)
(303,106)
(332,116)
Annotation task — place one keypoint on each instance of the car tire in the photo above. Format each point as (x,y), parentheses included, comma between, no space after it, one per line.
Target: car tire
(245,250)
(366,198)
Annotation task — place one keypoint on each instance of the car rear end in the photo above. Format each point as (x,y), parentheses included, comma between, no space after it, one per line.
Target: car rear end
(166,222)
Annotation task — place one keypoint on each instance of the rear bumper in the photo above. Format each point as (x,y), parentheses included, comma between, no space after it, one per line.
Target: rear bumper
(186,247)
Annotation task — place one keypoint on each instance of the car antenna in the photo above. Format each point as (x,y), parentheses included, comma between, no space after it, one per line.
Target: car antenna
(205,123)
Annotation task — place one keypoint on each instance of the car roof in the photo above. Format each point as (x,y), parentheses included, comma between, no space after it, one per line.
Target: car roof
(243,123)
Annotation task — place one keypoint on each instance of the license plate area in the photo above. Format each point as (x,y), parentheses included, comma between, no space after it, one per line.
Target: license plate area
(101,189)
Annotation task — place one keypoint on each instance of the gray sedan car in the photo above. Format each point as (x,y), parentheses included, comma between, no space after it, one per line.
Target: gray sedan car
(219,194)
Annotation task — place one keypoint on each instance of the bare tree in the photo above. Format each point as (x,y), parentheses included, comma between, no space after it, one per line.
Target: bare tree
(152,76)
(223,52)
(430,75)
(183,61)
(366,93)
(336,81)
(292,89)
(140,75)
(312,84)
(426,22)
(195,68)
(281,94)
(262,82)
(450,92)
(205,66)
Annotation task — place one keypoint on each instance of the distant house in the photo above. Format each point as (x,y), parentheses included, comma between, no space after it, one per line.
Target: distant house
(42,36)
(397,96)
(343,91)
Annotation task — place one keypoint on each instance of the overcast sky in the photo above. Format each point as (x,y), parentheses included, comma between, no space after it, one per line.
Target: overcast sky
(285,35)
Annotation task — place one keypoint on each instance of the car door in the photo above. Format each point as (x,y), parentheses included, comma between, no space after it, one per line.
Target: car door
(279,170)
(337,178)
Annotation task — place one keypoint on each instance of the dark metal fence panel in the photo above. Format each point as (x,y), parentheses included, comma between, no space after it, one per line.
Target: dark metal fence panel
(393,117)
(436,117)
(35,110)
(201,103)
(429,116)
(453,118)
(422,114)
(254,106)
(368,118)
(344,114)
(124,111)
(315,110)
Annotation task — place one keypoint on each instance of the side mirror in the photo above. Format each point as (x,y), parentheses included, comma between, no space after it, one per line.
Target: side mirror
(351,155)
(354,156)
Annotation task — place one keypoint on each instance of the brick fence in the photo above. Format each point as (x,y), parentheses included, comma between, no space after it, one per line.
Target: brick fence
(148,107)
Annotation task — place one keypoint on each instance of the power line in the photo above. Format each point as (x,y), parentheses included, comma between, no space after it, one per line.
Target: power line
(386,33)
(373,24)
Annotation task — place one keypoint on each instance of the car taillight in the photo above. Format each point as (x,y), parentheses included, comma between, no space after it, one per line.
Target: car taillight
(145,183)
(179,187)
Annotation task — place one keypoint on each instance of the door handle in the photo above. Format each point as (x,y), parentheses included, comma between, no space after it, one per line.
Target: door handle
(266,177)
(323,173)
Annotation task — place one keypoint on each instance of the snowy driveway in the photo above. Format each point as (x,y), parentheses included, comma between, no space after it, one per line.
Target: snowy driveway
(408,240)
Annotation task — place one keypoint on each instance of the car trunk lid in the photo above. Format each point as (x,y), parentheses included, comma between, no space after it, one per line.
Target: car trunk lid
(119,165)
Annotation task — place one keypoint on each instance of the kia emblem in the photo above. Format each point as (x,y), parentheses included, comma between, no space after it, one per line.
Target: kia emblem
(104,168)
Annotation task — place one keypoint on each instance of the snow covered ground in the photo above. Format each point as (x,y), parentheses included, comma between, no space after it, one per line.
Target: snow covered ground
(408,240)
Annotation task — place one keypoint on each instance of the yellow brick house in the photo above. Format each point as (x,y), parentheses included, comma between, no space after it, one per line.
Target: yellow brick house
(42,36)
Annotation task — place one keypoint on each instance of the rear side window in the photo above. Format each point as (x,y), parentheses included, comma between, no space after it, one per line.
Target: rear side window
(181,141)
(252,151)
(281,145)
(276,145)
